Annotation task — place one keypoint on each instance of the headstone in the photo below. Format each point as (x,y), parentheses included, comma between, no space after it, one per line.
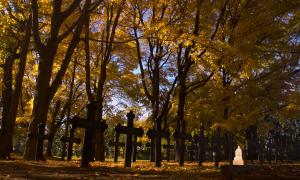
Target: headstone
(238,158)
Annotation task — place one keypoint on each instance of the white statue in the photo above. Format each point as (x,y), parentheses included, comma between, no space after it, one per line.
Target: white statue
(238,158)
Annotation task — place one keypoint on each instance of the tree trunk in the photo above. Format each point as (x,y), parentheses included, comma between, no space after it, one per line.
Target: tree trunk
(52,129)
(218,146)
(180,116)
(201,146)
(8,121)
(152,150)
(44,92)
(99,135)
(6,98)
(49,146)
(40,106)
(158,144)
(69,108)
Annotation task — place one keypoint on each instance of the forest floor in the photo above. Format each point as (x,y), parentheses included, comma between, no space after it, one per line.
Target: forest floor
(54,168)
(20,169)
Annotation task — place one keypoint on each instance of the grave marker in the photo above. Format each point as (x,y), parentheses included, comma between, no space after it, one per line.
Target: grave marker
(183,137)
(40,136)
(70,140)
(200,141)
(116,144)
(157,135)
(168,146)
(89,124)
(191,148)
(130,131)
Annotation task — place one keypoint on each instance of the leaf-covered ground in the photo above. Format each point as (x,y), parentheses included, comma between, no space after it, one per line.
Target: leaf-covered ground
(103,170)
(54,168)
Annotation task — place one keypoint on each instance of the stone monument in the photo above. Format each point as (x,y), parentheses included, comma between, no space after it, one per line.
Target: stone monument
(238,159)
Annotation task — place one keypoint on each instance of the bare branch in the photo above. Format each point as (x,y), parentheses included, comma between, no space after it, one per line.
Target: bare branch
(141,66)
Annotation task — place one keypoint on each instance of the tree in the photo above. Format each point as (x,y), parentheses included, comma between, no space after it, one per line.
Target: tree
(16,48)
(47,48)
(155,60)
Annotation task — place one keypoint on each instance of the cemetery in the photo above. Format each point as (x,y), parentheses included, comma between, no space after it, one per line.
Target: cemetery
(156,89)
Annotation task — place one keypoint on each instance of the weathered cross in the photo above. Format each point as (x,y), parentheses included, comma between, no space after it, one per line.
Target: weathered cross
(191,149)
(116,144)
(130,131)
(168,146)
(70,140)
(135,145)
(90,125)
(153,134)
(40,137)
(200,140)
(182,137)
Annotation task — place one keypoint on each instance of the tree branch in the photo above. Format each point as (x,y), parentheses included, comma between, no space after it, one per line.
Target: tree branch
(198,84)
(74,41)
(35,27)
(141,66)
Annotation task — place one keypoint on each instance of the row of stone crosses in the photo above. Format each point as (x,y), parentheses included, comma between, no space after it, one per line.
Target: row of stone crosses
(130,131)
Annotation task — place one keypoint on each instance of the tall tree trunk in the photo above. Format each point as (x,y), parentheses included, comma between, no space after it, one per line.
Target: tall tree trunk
(99,137)
(40,105)
(201,155)
(110,36)
(10,118)
(44,91)
(155,111)
(217,146)
(180,116)
(158,144)
(6,100)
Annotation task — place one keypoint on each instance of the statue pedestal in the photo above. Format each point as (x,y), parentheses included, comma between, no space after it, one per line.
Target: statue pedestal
(238,158)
